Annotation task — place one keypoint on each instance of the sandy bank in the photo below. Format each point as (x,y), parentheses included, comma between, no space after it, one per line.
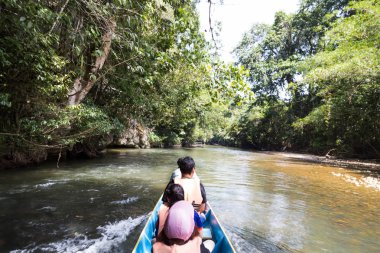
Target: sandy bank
(357,164)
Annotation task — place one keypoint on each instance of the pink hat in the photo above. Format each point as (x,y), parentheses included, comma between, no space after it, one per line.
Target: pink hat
(180,222)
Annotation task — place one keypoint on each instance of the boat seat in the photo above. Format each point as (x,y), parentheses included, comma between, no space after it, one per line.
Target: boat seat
(206,233)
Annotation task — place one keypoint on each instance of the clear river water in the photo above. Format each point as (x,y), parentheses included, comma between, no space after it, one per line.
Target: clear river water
(267,202)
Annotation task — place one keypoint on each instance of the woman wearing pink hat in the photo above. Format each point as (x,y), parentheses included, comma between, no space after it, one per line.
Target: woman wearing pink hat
(180,234)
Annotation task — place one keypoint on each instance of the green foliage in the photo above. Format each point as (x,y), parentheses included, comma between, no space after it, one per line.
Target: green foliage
(326,57)
(348,77)
(155,140)
(268,52)
(157,70)
(263,127)
(52,127)
(272,53)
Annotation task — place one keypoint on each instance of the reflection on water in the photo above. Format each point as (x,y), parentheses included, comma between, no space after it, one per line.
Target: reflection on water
(268,202)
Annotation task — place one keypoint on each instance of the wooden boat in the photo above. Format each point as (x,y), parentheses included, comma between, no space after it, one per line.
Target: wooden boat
(212,230)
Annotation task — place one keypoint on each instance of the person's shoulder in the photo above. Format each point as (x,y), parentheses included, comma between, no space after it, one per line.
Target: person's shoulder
(164,207)
(192,245)
(160,247)
(197,240)
(176,174)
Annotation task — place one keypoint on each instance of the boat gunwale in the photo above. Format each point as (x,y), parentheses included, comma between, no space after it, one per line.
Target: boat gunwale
(146,224)
(221,227)
(159,202)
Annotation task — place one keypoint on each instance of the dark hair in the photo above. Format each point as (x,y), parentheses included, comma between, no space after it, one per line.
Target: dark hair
(174,193)
(186,164)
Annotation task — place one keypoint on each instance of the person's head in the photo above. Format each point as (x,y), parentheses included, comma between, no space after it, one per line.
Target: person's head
(186,165)
(179,225)
(175,193)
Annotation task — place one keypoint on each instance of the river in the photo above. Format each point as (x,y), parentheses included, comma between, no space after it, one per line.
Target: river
(267,202)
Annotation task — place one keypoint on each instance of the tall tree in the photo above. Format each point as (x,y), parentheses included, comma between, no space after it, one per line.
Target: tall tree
(74,73)
(318,56)
(347,75)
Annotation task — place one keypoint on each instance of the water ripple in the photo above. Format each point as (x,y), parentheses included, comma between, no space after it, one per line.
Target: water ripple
(125,201)
(366,181)
(112,235)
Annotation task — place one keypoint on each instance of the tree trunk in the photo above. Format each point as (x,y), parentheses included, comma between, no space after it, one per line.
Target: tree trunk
(81,87)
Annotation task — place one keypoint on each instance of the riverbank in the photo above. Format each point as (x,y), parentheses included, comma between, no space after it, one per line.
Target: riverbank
(355,164)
